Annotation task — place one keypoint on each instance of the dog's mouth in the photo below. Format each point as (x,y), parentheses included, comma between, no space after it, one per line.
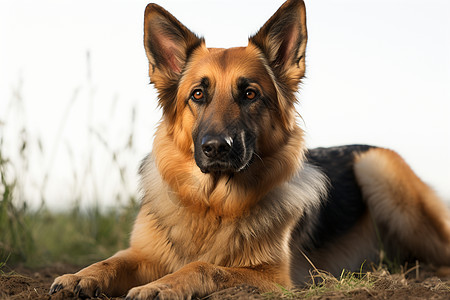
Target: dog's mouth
(225,167)
(224,155)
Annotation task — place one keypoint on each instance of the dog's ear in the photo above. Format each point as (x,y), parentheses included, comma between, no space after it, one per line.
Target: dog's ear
(283,38)
(167,42)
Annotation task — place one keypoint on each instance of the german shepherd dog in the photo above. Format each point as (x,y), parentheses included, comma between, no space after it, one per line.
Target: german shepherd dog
(231,195)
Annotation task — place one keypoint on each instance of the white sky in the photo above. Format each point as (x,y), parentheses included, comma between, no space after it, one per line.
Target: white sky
(378,72)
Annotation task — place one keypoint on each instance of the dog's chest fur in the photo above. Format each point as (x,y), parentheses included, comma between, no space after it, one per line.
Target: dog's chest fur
(259,237)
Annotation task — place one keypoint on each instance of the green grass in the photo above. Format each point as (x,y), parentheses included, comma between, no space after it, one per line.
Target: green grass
(345,283)
(81,237)
(324,283)
(38,237)
(16,239)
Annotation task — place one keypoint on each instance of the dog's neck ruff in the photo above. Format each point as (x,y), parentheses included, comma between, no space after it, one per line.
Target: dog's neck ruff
(224,196)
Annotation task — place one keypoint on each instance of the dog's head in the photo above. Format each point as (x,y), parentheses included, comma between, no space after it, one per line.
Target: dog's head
(227,107)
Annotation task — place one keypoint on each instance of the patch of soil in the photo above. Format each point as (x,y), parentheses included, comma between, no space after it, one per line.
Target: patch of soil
(25,283)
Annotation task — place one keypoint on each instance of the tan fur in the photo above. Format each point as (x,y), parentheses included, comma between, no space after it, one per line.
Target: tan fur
(404,206)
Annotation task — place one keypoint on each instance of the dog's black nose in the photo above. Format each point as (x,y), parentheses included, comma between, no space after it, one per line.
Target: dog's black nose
(216,146)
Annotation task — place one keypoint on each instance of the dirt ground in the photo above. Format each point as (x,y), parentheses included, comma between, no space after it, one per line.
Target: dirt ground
(25,283)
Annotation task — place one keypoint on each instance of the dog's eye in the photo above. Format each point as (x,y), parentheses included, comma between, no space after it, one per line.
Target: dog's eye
(197,95)
(250,94)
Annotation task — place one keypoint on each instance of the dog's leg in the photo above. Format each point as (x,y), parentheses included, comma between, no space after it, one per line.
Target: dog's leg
(411,215)
(113,276)
(201,279)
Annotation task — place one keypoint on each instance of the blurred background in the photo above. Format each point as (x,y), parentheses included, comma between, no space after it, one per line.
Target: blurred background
(77,113)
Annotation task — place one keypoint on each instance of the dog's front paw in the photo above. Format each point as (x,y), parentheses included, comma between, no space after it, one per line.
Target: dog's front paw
(156,290)
(82,286)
